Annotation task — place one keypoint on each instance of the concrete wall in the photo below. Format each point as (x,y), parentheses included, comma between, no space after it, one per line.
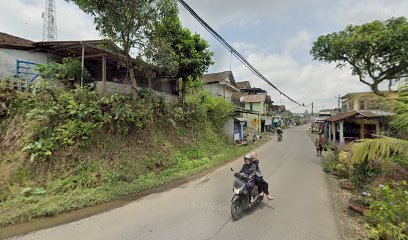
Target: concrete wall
(353,102)
(9,57)
(229,129)
(219,90)
(259,107)
(112,88)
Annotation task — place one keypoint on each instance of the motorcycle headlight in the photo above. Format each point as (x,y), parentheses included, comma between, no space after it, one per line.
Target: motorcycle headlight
(238,190)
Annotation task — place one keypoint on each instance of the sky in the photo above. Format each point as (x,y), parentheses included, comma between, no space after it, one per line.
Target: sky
(275,36)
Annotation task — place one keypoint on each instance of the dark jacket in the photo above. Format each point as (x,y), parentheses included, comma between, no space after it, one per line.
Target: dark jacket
(257,170)
(249,170)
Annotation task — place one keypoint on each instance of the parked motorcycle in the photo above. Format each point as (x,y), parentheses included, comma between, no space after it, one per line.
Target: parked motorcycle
(241,199)
(280,137)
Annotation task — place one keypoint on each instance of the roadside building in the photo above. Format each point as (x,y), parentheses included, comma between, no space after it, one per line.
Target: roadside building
(363,115)
(221,84)
(19,58)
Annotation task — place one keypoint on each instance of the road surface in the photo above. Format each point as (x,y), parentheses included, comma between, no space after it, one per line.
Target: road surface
(201,209)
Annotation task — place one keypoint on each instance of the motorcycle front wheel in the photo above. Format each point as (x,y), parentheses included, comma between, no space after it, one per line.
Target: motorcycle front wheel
(236,210)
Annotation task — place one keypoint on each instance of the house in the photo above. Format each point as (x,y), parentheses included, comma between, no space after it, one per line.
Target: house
(363,116)
(221,84)
(365,101)
(19,57)
(261,117)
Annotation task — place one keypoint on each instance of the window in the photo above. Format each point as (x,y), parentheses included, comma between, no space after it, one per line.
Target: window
(361,104)
(350,106)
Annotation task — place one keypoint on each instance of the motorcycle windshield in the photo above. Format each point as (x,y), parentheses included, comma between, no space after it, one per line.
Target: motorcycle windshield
(238,183)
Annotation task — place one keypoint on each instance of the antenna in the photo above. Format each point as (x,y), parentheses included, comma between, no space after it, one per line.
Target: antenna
(50,24)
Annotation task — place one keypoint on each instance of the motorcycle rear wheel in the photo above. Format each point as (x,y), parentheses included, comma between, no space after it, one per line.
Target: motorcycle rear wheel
(236,210)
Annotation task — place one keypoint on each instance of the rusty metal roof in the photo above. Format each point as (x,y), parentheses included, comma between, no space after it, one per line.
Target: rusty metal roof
(341,116)
(243,85)
(13,42)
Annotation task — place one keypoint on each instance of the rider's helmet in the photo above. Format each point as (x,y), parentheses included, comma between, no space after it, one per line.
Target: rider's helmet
(248,159)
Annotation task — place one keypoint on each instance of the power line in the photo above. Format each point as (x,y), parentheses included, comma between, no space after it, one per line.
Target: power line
(232,50)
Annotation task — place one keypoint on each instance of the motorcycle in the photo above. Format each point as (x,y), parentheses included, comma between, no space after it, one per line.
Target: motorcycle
(241,199)
(280,137)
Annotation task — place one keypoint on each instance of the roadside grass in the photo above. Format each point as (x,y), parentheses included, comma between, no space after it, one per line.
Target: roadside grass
(63,194)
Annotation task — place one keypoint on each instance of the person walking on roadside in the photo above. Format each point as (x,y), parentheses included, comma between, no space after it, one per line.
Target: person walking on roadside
(319,145)
(259,178)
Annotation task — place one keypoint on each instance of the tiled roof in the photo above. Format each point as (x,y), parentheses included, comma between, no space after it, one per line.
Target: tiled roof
(254,98)
(216,77)
(10,41)
(243,85)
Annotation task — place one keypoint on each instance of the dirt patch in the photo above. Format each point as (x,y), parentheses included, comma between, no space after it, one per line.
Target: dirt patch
(351,223)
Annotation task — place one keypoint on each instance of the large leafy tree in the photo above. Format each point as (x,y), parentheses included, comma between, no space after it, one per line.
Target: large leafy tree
(375,51)
(130,24)
(191,52)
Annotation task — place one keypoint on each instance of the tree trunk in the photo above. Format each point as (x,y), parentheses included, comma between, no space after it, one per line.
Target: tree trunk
(183,90)
(375,89)
(131,70)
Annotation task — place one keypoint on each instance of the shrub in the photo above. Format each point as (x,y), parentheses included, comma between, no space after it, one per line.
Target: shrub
(388,212)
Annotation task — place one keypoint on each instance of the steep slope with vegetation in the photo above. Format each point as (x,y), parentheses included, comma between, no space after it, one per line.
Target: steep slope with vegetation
(68,149)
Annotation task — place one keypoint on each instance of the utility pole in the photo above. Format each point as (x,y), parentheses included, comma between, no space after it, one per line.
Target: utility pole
(338,101)
(312,111)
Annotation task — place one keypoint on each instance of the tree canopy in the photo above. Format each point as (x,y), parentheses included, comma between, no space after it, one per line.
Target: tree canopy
(131,24)
(375,51)
(191,52)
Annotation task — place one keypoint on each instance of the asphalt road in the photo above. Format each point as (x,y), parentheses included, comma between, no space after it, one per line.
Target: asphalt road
(201,209)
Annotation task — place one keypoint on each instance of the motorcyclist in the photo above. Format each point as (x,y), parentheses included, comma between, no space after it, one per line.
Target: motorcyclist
(249,169)
(259,180)
(280,133)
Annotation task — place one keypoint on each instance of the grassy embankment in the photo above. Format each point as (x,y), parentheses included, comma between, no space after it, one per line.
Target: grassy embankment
(62,151)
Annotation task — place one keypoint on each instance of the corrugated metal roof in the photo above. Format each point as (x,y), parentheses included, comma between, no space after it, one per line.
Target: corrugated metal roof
(361,114)
(254,98)
(243,85)
(341,116)
(240,119)
(375,113)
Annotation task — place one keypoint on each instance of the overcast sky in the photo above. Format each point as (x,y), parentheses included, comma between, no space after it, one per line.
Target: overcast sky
(274,35)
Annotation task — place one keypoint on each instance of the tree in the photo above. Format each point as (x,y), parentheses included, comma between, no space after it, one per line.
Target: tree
(192,53)
(376,51)
(130,24)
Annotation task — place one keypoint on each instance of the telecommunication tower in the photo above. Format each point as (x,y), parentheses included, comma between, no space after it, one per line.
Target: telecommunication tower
(50,24)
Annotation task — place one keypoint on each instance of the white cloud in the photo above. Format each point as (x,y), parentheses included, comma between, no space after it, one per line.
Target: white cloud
(299,42)
(362,11)
(313,82)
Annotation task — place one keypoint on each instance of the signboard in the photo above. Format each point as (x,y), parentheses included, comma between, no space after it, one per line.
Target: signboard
(255,122)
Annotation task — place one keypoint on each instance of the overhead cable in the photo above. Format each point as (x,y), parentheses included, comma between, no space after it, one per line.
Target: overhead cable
(233,50)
